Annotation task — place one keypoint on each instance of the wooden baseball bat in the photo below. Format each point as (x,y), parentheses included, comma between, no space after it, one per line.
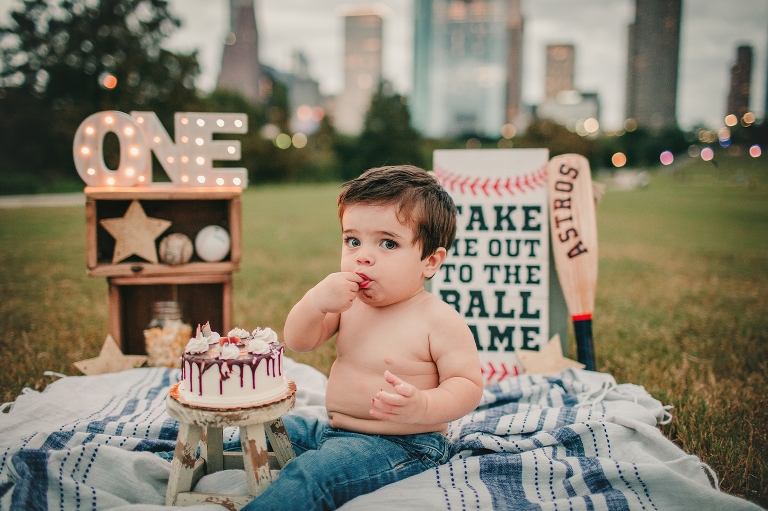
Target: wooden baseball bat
(574,244)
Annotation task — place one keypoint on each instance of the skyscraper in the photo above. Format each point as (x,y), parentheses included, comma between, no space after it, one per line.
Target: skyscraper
(240,68)
(561,63)
(515,25)
(741,78)
(652,64)
(362,67)
(562,102)
(467,65)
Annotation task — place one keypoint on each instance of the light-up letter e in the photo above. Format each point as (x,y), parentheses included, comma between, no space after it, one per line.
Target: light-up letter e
(188,160)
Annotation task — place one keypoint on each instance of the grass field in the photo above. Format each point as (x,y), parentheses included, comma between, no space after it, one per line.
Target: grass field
(681,303)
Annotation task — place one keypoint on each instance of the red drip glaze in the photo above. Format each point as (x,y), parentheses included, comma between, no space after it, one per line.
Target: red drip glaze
(204,362)
(200,371)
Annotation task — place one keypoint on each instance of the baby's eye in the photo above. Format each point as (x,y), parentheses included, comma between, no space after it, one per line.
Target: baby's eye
(389,244)
(352,242)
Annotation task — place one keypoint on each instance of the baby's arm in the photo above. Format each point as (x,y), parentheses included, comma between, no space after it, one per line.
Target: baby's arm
(315,318)
(460,381)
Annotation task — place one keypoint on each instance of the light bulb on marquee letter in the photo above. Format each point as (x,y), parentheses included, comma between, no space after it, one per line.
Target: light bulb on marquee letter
(160,143)
(198,150)
(188,160)
(89,147)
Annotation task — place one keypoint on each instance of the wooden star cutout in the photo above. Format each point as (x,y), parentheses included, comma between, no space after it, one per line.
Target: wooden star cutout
(548,361)
(110,360)
(135,233)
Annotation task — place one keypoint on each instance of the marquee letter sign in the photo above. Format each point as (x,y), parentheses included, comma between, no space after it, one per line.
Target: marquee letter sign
(496,274)
(188,160)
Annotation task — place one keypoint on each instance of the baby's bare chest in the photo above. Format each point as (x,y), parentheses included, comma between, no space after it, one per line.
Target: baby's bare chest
(378,343)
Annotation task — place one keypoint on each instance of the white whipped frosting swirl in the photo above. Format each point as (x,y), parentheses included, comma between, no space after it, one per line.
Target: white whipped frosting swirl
(238,332)
(211,336)
(229,351)
(266,335)
(258,347)
(197,344)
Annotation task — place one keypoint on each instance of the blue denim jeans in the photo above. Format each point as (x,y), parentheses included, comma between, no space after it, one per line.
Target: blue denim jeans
(334,466)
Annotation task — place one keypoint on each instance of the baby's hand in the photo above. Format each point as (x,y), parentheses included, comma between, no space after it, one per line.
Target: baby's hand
(408,406)
(336,292)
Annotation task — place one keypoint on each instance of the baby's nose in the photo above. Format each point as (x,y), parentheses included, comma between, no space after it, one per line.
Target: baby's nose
(364,257)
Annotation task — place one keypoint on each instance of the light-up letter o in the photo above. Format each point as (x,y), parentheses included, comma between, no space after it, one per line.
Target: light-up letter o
(88,150)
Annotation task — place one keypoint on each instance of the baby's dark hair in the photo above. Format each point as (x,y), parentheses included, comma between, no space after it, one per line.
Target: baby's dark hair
(422,204)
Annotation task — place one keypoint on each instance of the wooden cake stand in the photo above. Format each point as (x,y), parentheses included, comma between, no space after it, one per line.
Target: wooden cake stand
(204,426)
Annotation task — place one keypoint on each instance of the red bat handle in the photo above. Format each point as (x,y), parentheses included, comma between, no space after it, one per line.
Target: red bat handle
(585,350)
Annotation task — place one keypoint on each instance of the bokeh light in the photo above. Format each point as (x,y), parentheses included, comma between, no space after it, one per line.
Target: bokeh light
(619,160)
(473,143)
(755,151)
(630,124)
(666,158)
(731,120)
(108,81)
(591,125)
(304,113)
(283,141)
(707,153)
(693,151)
(299,140)
(508,131)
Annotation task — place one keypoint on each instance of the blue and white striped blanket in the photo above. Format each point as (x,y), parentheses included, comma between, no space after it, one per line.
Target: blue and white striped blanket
(571,442)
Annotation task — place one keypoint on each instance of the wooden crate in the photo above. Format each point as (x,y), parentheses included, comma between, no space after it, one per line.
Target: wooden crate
(189,210)
(202,298)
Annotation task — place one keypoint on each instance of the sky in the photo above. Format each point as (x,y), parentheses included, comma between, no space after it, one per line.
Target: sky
(711,31)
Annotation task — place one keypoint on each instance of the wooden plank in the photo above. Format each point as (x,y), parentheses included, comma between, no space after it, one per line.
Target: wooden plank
(184,461)
(215,455)
(90,233)
(281,444)
(172,279)
(234,461)
(235,229)
(229,502)
(149,269)
(115,315)
(226,305)
(231,417)
(162,193)
(255,458)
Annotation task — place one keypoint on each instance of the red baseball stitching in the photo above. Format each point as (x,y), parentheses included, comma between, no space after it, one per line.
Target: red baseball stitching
(458,183)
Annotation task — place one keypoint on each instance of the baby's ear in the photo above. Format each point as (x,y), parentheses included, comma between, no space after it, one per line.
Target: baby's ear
(433,262)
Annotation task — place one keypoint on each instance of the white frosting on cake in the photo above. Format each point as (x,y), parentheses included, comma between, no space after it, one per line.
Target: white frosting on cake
(229,351)
(197,344)
(239,332)
(236,373)
(258,347)
(266,335)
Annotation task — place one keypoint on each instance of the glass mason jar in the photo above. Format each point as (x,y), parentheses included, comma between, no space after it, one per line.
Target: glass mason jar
(166,336)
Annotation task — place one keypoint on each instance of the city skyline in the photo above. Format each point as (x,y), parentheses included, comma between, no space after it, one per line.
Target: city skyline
(710,33)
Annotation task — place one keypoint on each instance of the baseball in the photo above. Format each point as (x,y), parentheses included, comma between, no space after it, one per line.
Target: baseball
(175,249)
(212,243)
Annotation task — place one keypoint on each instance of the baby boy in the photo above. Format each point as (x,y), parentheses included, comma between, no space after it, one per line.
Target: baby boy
(406,362)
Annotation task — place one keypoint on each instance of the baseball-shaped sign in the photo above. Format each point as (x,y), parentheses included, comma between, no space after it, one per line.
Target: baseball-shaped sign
(175,249)
(212,243)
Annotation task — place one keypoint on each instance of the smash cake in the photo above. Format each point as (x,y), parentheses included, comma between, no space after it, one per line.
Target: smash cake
(239,370)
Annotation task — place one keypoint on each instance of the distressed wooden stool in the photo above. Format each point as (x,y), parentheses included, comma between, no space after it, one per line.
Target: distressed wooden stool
(205,427)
